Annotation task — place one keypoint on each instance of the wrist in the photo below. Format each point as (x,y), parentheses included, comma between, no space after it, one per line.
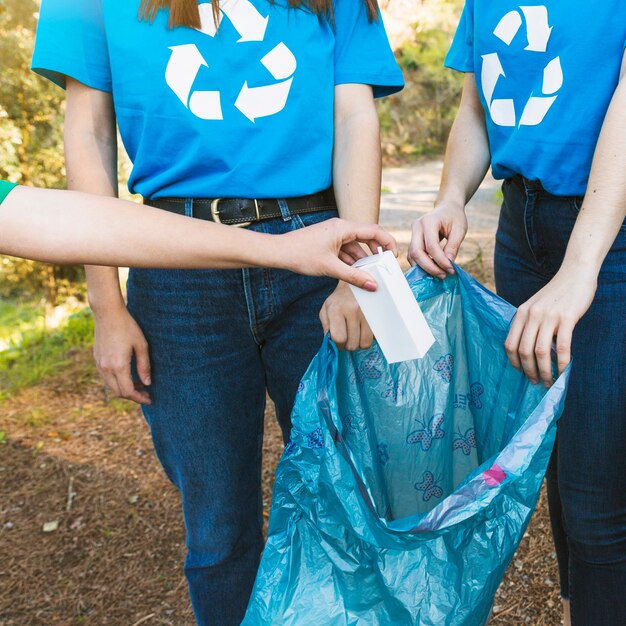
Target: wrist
(584,265)
(456,205)
(580,270)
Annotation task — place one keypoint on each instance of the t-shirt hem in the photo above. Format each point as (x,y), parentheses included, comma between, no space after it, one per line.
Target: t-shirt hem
(56,71)
(459,64)
(5,189)
(383,84)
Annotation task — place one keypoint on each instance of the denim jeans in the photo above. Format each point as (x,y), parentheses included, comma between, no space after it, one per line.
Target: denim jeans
(218,340)
(587,475)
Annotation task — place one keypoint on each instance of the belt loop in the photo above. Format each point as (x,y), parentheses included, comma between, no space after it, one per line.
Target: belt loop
(189,207)
(284,210)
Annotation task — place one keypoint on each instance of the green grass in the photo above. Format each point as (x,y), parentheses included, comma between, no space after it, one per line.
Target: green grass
(17,318)
(38,353)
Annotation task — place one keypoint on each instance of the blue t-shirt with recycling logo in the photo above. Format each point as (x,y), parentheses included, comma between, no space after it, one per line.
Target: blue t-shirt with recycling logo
(546,72)
(245,110)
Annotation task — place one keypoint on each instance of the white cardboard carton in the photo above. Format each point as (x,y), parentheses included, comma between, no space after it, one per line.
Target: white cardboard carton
(391,311)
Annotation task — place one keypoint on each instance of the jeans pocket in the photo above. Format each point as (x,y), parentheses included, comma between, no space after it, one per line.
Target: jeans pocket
(308,219)
(576,204)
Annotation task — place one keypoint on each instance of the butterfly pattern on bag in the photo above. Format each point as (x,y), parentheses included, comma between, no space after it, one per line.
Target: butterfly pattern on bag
(383,453)
(445,367)
(476,390)
(429,486)
(428,433)
(393,391)
(465,442)
(371,367)
(352,424)
(315,439)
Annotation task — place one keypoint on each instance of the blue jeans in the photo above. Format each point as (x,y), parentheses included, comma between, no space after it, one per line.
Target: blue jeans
(587,475)
(218,340)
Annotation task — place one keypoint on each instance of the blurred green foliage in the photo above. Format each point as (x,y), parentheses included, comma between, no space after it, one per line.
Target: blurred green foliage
(31,142)
(417,122)
(39,352)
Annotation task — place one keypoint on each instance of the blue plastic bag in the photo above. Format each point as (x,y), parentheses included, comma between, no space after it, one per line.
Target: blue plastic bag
(406,489)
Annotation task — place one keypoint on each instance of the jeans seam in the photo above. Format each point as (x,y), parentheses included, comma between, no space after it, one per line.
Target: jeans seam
(247,289)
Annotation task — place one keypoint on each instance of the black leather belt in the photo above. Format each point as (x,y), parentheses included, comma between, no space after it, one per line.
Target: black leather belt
(245,211)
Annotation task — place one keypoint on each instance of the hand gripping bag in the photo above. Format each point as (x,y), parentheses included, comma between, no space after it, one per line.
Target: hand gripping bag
(405,489)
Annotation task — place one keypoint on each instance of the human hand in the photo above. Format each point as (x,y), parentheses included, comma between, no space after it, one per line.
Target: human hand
(331,247)
(552,312)
(342,317)
(117,338)
(447,221)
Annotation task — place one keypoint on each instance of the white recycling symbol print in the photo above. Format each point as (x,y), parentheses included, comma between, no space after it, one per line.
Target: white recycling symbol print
(186,61)
(538,30)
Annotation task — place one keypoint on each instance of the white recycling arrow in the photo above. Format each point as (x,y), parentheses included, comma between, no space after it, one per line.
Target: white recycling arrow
(491,72)
(183,67)
(502,111)
(280,62)
(552,77)
(539,30)
(244,16)
(255,102)
(535,110)
(508,27)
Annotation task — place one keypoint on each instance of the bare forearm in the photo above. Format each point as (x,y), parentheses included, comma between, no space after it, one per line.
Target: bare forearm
(604,207)
(73,227)
(357,167)
(467,154)
(91,164)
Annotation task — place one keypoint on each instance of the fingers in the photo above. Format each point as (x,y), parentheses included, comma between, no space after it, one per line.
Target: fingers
(418,255)
(128,389)
(543,353)
(353,326)
(142,358)
(529,344)
(511,345)
(338,331)
(116,373)
(432,243)
(564,344)
(374,236)
(342,316)
(367,336)
(352,251)
(324,320)
(355,277)
(455,239)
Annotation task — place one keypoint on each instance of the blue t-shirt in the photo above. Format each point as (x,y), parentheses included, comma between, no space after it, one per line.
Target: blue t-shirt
(246,111)
(546,72)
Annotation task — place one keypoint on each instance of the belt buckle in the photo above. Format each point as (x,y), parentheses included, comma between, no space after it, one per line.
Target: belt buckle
(215,214)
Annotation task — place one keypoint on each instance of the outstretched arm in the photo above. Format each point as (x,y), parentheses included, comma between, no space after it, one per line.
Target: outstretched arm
(556,309)
(74,227)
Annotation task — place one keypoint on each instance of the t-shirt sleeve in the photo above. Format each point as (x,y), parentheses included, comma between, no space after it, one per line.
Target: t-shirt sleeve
(461,54)
(5,189)
(362,51)
(71,41)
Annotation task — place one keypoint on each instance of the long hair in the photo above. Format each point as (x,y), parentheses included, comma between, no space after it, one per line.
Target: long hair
(186,13)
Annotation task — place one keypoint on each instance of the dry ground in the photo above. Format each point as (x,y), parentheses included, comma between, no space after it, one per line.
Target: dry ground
(74,457)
